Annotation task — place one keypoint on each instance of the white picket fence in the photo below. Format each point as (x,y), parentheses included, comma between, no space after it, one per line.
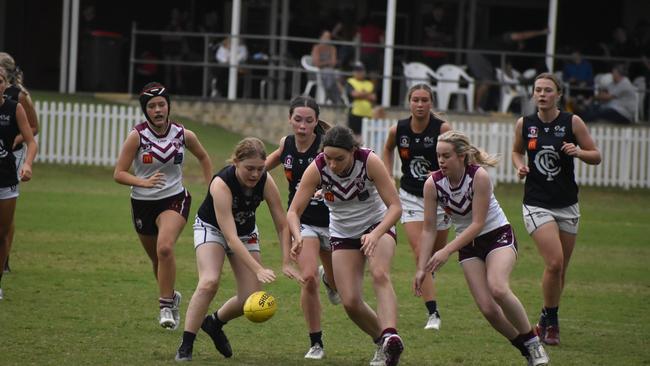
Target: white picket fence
(625,151)
(89,134)
(92,134)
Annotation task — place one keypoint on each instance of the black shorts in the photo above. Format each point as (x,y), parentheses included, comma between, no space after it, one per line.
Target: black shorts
(348,243)
(145,212)
(482,245)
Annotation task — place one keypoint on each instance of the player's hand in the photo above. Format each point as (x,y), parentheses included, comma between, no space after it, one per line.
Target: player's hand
(417,282)
(437,261)
(25,172)
(368,244)
(157,180)
(570,149)
(291,272)
(265,275)
(296,247)
(523,171)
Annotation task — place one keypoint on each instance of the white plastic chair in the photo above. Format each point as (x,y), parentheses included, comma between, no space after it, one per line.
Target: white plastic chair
(419,73)
(510,89)
(449,83)
(314,79)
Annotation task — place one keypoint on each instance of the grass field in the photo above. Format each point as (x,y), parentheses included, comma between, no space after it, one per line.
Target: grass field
(82,293)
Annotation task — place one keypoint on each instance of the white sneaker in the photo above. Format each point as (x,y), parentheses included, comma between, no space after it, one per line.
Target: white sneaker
(2,294)
(176,309)
(167,319)
(379,359)
(316,352)
(433,322)
(332,295)
(536,353)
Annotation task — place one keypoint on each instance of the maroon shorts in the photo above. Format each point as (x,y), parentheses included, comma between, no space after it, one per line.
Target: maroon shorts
(144,212)
(482,245)
(347,243)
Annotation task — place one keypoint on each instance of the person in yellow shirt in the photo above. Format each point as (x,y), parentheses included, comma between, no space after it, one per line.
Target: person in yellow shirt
(361,93)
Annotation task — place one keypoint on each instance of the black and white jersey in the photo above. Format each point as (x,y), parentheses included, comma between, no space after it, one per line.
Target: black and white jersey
(550,182)
(244,201)
(8,132)
(295,163)
(418,153)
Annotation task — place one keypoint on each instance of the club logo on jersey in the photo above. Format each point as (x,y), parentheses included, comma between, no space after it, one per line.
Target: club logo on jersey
(288,162)
(428,141)
(146,146)
(532,132)
(532,144)
(3,151)
(360,183)
(559,131)
(547,162)
(420,168)
(404,141)
(363,195)
(328,196)
(176,143)
(147,159)
(5,119)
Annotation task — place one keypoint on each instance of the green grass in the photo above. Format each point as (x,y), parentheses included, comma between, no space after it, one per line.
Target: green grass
(82,292)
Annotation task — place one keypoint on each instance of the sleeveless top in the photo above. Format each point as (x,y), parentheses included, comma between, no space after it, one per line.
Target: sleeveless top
(12,92)
(162,153)
(353,200)
(418,153)
(244,202)
(457,202)
(8,132)
(550,182)
(295,163)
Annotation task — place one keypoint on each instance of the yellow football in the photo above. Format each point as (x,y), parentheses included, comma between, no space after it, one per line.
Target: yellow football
(260,306)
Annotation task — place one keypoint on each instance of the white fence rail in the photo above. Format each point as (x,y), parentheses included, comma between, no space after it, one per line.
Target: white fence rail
(625,151)
(89,134)
(92,134)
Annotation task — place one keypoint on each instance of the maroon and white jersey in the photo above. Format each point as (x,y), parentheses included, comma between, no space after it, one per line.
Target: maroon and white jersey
(162,153)
(457,201)
(353,200)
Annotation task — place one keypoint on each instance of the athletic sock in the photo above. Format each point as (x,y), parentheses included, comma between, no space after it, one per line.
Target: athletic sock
(431,306)
(551,315)
(316,337)
(218,321)
(188,339)
(165,302)
(520,340)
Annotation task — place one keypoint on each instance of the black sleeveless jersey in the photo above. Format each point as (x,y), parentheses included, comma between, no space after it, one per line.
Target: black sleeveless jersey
(12,92)
(418,153)
(295,163)
(550,182)
(244,202)
(8,132)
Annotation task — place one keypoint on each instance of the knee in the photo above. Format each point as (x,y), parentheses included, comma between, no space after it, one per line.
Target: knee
(352,304)
(380,276)
(208,285)
(489,310)
(164,250)
(555,266)
(311,279)
(499,291)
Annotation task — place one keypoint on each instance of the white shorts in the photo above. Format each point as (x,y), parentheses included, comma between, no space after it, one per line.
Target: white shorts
(9,192)
(20,159)
(413,210)
(205,233)
(322,233)
(567,218)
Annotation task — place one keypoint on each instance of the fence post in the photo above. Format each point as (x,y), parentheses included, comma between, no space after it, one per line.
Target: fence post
(625,158)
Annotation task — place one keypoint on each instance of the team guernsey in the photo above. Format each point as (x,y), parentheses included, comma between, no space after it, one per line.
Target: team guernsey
(8,132)
(295,163)
(418,153)
(550,182)
(457,202)
(244,202)
(164,153)
(353,201)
